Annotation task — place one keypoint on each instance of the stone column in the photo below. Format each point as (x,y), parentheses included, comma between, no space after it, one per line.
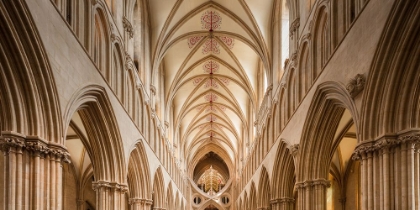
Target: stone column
(101,189)
(12,150)
(320,186)
(417,176)
(140,204)
(27,183)
(284,203)
(390,172)
(313,194)
(109,195)
(301,196)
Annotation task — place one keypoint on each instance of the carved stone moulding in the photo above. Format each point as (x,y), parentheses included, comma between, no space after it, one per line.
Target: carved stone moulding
(142,201)
(313,183)
(128,27)
(384,143)
(13,142)
(109,185)
(281,200)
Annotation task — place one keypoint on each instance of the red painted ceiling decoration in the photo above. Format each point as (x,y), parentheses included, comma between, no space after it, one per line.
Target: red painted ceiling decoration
(211,66)
(211,118)
(225,80)
(211,20)
(197,80)
(211,97)
(192,41)
(211,83)
(211,134)
(211,108)
(211,46)
(228,41)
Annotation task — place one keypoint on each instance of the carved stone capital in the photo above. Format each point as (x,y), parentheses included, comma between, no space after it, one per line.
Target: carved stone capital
(282,200)
(384,143)
(37,148)
(410,138)
(109,185)
(362,150)
(356,85)
(321,182)
(300,185)
(100,184)
(9,142)
(142,201)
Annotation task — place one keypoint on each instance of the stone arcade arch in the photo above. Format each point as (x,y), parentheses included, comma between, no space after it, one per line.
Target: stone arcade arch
(30,125)
(158,196)
(252,201)
(390,116)
(264,193)
(139,182)
(283,180)
(104,146)
(169,203)
(327,108)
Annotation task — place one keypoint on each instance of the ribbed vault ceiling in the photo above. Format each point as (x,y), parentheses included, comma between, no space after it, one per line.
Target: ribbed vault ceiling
(212,55)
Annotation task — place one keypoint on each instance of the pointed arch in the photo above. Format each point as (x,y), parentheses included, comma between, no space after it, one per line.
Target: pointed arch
(264,193)
(177,203)
(392,101)
(305,76)
(327,107)
(105,145)
(320,48)
(138,173)
(117,75)
(101,41)
(169,197)
(252,197)
(28,98)
(283,180)
(158,196)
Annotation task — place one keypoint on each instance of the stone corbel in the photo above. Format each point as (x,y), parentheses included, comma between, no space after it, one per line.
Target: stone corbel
(269,89)
(294,149)
(128,27)
(153,89)
(356,85)
(129,64)
(294,27)
(294,58)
